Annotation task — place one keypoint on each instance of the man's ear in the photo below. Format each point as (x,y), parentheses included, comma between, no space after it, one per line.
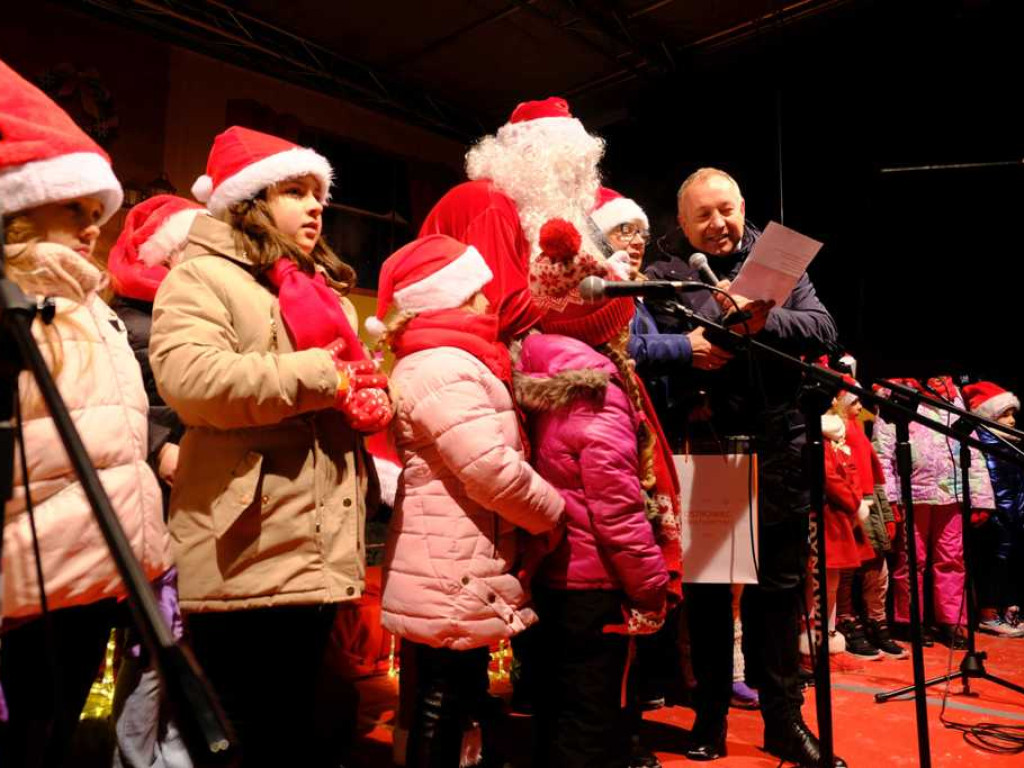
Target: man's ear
(743,206)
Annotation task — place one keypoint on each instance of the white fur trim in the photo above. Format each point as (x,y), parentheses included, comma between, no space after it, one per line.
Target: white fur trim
(263,173)
(202,188)
(545,129)
(374,327)
(447,288)
(618,211)
(994,406)
(169,238)
(387,476)
(65,177)
(833,427)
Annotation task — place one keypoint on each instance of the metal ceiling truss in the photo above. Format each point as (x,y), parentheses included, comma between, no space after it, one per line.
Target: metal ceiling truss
(217,29)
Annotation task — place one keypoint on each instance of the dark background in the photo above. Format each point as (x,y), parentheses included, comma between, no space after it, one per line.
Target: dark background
(920,268)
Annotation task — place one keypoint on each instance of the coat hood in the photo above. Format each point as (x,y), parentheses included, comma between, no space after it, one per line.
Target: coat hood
(554,371)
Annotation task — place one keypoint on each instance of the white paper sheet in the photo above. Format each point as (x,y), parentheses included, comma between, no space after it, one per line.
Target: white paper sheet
(776,262)
(719,506)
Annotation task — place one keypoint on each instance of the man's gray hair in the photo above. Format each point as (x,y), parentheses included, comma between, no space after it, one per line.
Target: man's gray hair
(703,174)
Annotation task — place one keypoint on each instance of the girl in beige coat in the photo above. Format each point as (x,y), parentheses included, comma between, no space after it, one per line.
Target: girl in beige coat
(252,345)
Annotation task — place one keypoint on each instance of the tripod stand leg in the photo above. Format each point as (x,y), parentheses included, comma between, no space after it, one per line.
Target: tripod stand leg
(909,689)
(1004,683)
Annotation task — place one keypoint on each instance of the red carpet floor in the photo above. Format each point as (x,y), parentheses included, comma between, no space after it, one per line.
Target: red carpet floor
(866,734)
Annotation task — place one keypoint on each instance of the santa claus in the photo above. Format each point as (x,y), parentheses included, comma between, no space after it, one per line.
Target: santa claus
(539,166)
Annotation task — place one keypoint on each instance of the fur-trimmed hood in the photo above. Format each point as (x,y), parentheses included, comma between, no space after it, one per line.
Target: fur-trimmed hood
(555,371)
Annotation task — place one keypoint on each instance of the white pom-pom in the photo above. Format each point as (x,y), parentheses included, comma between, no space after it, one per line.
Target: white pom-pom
(202,188)
(374,327)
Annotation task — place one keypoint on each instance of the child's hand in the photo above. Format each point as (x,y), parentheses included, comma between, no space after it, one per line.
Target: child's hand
(637,622)
(368,409)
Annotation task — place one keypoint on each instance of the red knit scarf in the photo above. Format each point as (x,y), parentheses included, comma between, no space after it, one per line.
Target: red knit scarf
(666,486)
(472,333)
(311,311)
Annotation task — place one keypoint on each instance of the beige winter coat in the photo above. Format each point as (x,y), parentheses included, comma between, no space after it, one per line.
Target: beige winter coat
(101,384)
(268,503)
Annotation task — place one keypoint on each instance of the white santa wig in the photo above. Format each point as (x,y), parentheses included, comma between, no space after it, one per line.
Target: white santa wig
(548,166)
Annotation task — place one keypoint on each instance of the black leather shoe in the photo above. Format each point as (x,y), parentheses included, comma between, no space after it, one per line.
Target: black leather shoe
(706,743)
(794,743)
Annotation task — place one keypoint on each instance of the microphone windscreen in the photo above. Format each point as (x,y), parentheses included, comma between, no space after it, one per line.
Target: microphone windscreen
(591,288)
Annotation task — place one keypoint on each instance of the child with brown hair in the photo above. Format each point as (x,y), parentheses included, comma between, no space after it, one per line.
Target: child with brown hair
(253,345)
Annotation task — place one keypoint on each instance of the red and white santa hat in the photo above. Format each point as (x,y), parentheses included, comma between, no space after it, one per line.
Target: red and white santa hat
(846,398)
(612,209)
(431,273)
(243,162)
(548,119)
(989,400)
(44,156)
(154,234)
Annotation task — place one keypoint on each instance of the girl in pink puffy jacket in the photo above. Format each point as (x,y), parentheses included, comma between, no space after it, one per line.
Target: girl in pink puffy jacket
(450,588)
(592,433)
(58,188)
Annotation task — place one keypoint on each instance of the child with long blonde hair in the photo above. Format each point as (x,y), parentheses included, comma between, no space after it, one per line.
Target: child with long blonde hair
(60,584)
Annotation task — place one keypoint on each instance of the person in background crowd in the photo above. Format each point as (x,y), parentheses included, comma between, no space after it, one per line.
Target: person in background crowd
(154,234)
(938,492)
(999,540)
(870,638)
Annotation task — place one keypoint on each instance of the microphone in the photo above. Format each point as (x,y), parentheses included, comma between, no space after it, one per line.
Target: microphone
(699,262)
(594,288)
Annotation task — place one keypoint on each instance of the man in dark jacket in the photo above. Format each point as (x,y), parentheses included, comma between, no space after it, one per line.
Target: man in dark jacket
(717,398)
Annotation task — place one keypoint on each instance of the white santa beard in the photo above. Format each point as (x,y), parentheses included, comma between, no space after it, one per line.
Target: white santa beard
(546,181)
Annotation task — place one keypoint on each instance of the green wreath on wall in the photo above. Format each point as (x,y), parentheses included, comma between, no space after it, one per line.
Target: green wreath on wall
(85,97)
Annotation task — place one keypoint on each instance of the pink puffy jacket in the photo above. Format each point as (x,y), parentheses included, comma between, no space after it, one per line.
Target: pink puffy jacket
(583,433)
(464,489)
(101,384)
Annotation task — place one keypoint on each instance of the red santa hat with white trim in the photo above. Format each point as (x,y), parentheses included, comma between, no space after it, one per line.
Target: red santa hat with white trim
(988,400)
(154,235)
(612,209)
(546,119)
(243,162)
(44,156)
(430,273)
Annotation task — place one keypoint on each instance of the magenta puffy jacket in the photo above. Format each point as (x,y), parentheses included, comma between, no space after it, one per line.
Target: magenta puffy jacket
(583,436)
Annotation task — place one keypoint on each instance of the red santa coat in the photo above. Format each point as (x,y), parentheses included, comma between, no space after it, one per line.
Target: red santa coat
(477,213)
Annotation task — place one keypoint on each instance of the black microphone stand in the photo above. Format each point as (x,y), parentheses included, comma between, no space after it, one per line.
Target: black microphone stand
(207,733)
(900,411)
(973,664)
